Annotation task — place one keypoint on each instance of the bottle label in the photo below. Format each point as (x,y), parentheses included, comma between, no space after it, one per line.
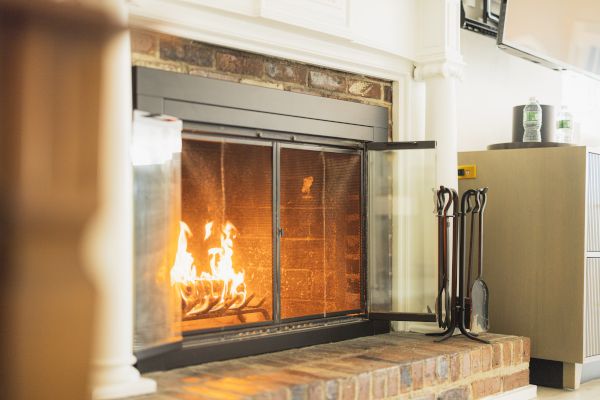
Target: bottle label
(563,124)
(531,116)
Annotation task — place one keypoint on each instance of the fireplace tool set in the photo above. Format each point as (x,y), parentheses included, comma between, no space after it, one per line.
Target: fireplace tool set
(460,304)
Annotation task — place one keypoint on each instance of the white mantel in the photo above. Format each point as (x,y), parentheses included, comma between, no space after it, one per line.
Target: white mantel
(367,37)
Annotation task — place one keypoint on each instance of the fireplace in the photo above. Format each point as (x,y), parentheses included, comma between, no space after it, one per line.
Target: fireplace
(228,194)
(282,239)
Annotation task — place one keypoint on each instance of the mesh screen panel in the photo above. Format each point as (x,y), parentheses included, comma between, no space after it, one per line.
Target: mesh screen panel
(321,245)
(230,182)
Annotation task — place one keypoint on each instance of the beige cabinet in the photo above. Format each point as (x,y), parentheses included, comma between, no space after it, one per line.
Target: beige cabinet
(542,247)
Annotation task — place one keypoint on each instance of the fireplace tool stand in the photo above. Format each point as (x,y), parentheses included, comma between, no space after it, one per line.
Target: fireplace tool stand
(456,314)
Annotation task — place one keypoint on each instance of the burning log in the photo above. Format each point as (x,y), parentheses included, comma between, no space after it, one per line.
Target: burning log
(222,288)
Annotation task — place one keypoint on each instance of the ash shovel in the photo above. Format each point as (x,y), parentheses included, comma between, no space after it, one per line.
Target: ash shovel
(479,290)
(473,210)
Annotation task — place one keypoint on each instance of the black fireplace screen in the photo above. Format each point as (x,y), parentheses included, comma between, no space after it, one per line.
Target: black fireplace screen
(321,241)
(227,205)
(225,269)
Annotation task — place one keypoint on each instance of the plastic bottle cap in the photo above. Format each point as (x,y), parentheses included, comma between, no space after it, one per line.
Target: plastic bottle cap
(532,99)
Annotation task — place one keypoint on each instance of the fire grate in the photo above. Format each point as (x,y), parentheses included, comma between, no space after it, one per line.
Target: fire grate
(228,310)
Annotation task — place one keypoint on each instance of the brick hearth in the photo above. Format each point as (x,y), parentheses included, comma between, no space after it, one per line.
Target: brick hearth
(396,365)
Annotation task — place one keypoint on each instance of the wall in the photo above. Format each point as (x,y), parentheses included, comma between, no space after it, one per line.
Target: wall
(493,82)
(582,95)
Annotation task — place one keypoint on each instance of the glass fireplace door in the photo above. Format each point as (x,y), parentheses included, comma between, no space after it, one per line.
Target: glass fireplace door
(402,247)
(224,264)
(320,232)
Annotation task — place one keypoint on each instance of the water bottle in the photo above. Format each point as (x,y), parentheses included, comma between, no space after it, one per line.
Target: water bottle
(564,126)
(532,121)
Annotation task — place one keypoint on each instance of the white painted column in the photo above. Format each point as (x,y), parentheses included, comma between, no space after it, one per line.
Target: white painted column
(440,116)
(439,64)
(109,240)
(438,67)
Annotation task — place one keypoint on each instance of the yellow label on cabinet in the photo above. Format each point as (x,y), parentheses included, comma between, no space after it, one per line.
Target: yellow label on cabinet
(467,171)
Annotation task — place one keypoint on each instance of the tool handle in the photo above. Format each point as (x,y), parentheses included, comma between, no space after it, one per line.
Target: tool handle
(482,196)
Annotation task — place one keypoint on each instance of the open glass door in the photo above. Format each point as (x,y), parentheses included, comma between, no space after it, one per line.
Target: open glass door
(401,243)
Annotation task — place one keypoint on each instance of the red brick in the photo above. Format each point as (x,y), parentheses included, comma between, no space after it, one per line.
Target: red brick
(442,369)
(213,393)
(238,63)
(460,393)
(486,387)
(332,389)
(393,380)
(517,353)
(478,389)
(465,359)
(406,378)
(417,375)
(280,394)
(496,355)
(476,361)
(429,372)
(327,80)
(486,358)
(347,388)
(315,391)
(144,42)
(506,353)
(424,396)
(387,366)
(228,385)
(262,396)
(286,72)
(454,367)
(526,349)
(187,51)
(365,89)
(515,380)
(378,384)
(387,93)
(493,385)
(364,385)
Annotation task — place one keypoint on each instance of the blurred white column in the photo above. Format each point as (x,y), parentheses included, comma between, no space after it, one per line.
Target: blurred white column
(109,241)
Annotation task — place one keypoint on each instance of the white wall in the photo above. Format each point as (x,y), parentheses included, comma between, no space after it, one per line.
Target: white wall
(493,82)
(582,95)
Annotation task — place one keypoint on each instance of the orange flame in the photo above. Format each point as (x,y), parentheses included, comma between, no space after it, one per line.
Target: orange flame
(221,288)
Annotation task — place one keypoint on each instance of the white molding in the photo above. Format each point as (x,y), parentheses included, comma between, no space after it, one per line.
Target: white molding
(438,53)
(195,20)
(528,392)
(325,16)
(439,69)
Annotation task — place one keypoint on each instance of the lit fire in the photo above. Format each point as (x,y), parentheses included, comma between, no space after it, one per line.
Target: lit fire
(220,289)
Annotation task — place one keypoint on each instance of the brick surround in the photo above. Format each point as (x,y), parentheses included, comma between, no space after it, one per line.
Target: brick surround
(391,366)
(160,51)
